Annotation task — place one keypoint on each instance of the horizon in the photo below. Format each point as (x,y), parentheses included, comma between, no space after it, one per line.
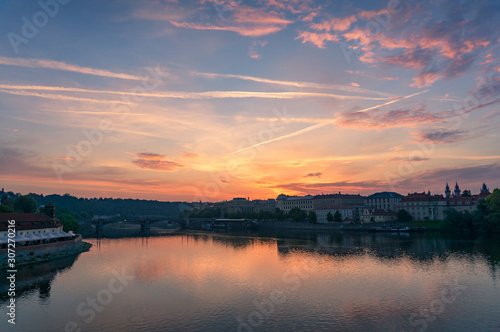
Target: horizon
(212,100)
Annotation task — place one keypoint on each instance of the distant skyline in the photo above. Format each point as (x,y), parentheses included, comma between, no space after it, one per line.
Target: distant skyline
(214,99)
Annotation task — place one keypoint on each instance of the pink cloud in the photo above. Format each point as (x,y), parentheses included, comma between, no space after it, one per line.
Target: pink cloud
(335,24)
(317,39)
(248,31)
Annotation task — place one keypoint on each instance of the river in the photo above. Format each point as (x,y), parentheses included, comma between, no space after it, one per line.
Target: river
(264,281)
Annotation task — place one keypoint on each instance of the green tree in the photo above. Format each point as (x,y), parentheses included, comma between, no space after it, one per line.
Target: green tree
(493,201)
(7,201)
(329,217)
(312,217)
(297,214)
(403,216)
(337,217)
(25,204)
(69,222)
(6,209)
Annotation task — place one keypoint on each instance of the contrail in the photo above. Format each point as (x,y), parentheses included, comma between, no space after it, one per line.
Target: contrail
(319,125)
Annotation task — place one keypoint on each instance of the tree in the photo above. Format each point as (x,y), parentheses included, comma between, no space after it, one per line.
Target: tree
(297,214)
(329,217)
(69,222)
(337,217)
(312,217)
(25,204)
(6,209)
(404,216)
(493,201)
(7,201)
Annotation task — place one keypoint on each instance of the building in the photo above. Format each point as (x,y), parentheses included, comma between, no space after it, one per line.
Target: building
(483,192)
(239,205)
(354,202)
(461,203)
(345,211)
(424,206)
(286,203)
(383,201)
(261,205)
(31,223)
(378,215)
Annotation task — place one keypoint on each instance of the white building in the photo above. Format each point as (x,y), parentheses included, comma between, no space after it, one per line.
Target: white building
(345,211)
(384,201)
(422,206)
(286,203)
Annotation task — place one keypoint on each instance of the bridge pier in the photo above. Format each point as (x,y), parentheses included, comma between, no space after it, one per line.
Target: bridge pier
(100,226)
(146,225)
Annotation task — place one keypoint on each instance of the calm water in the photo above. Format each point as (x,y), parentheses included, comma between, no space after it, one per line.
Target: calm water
(266,282)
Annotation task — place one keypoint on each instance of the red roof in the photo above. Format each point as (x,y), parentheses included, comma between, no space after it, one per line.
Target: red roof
(25,221)
(422,197)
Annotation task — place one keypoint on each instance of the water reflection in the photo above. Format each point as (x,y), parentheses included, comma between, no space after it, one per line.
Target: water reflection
(332,281)
(37,278)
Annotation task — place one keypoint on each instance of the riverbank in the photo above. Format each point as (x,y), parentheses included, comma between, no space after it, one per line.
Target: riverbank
(46,252)
(369,227)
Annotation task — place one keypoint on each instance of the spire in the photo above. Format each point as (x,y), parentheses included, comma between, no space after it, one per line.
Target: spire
(457,190)
(447,191)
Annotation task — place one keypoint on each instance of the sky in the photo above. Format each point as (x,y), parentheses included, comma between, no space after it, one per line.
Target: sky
(214,99)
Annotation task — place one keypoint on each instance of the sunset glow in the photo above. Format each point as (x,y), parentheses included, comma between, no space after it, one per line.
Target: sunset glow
(210,100)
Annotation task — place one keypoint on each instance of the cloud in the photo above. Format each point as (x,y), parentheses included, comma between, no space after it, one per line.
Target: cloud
(378,119)
(244,20)
(177,94)
(315,188)
(335,24)
(437,40)
(248,31)
(345,88)
(408,159)
(441,135)
(155,162)
(62,97)
(469,177)
(312,175)
(375,77)
(57,65)
(252,52)
(317,39)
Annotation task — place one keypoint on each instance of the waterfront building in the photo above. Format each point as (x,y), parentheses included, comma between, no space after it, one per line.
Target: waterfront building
(345,211)
(286,203)
(31,223)
(35,231)
(246,205)
(424,206)
(378,215)
(383,201)
(239,204)
(354,202)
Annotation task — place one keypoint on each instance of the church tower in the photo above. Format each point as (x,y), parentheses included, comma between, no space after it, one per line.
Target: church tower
(447,191)
(457,190)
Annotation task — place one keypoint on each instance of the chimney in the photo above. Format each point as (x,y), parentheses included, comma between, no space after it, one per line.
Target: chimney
(50,210)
